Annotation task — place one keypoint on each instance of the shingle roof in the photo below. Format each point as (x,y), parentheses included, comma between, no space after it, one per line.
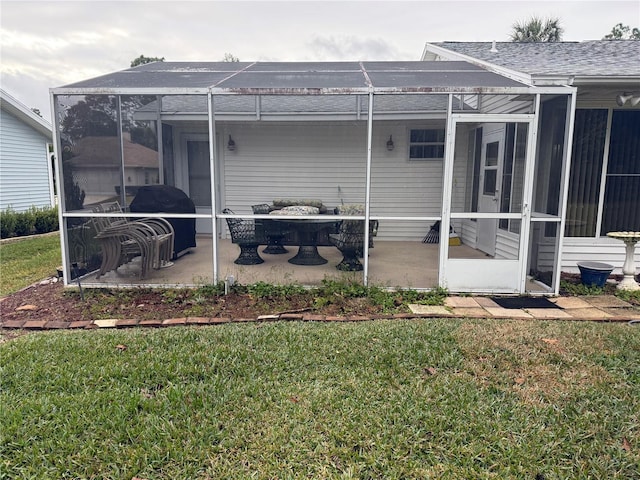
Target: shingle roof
(606,58)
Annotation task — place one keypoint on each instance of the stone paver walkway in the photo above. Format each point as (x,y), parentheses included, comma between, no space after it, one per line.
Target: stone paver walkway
(601,307)
(607,308)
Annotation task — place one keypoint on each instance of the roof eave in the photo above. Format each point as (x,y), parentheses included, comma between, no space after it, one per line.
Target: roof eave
(451,55)
(129,90)
(25,114)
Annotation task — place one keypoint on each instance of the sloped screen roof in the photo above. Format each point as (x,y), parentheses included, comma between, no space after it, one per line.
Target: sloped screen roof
(301,77)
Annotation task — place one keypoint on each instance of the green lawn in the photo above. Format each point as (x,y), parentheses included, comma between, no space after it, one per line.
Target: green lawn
(27,261)
(387,399)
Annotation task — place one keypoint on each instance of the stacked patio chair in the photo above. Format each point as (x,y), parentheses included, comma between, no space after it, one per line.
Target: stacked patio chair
(248,235)
(122,240)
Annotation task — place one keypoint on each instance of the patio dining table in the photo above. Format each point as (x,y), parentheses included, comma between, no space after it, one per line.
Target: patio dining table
(308,231)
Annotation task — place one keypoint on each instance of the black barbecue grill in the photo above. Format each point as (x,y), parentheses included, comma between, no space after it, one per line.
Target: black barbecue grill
(166,199)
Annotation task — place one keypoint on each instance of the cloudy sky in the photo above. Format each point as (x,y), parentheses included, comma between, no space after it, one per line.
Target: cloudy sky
(54,43)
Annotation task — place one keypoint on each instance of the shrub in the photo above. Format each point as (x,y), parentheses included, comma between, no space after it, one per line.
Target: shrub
(46,220)
(34,220)
(25,222)
(8,223)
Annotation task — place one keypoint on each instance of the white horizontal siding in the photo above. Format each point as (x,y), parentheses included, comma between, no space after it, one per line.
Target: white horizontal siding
(462,171)
(507,245)
(24,173)
(503,104)
(468,233)
(604,250)
(294,161)
(546,256)
(402,187)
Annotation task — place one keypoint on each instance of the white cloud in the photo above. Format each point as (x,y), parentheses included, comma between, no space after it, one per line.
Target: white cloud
(348,47)
(34,43)
(52,43)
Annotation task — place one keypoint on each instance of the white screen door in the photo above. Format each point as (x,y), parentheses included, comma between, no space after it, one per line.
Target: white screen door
(488,205)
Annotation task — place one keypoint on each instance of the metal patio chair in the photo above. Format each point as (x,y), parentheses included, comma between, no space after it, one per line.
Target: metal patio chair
(248,235)
(123,239)
(350,238)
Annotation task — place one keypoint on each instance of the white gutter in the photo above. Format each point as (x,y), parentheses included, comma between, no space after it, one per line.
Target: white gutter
(595,80)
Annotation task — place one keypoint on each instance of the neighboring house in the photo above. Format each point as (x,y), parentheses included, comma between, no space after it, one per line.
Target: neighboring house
(461,144)
(26,178)
(96,172)
(604,184)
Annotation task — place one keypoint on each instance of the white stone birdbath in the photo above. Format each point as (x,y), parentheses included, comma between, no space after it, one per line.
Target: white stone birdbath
(629,268)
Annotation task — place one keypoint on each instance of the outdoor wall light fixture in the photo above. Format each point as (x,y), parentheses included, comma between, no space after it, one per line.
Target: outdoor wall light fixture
(390,145)
(625,97)
(231,145)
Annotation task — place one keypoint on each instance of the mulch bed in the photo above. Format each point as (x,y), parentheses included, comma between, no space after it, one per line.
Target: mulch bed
(51,302)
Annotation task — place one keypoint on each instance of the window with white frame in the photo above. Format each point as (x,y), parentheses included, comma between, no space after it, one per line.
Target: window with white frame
(515,154)
(426,144)
(618,208)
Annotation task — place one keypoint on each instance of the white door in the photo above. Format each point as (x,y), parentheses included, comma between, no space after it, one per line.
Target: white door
(489,191)
(194,176)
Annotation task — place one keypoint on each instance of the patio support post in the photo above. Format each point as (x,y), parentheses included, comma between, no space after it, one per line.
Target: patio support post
(59,188)
(212,172)
(159,143)
(527,194)
(367,198)
(447,180)
(564,184)
(123,190)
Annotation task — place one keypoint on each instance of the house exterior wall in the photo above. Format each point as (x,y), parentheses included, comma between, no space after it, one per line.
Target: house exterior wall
(591,94)
(24,170)
(597,248)
(103,183)
(327,161)
(606,250)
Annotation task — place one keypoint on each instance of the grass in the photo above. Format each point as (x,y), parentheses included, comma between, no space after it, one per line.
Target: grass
(26,261)
(412,399)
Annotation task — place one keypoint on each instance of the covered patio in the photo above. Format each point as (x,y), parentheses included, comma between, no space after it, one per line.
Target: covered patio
(408,143)
(193,268)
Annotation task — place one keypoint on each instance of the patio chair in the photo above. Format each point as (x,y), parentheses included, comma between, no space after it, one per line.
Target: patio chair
(248,235)
(273,231)
(122,240)
(350,238)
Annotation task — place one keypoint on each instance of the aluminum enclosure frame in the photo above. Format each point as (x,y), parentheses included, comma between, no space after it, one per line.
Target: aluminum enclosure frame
(371,92)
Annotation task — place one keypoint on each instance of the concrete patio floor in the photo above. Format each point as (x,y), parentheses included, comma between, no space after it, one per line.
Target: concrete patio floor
(391,264)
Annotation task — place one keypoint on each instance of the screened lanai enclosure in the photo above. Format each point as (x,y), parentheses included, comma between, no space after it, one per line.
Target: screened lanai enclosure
(394,174)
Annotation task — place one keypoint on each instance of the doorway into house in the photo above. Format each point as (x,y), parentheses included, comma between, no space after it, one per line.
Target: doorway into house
(194,176)
(488,194)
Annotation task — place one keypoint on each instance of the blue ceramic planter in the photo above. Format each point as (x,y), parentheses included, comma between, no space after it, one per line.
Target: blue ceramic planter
(594,273)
